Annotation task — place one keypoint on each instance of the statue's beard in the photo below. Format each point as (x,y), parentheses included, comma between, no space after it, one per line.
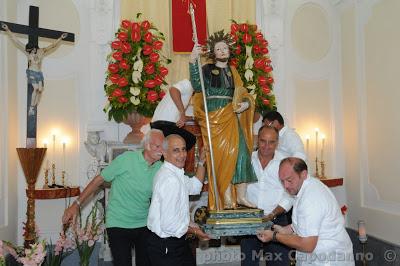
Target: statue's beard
(223,60)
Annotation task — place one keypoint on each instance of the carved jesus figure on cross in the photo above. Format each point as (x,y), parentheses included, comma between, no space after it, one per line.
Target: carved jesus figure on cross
(35,56)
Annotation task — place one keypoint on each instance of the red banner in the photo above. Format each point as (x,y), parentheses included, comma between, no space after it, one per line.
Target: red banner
(182,31)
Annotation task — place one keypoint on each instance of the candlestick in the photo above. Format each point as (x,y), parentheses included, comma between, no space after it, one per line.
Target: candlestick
(54,148)
(322,146)
(307,145)
(322,175)
(64,147)
(45,144)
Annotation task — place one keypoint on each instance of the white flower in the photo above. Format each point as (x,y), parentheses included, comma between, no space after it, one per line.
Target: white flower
(248,75)
(135,91)
(107,106)
(252,87)
(138,65)
(135,100)
(136,77)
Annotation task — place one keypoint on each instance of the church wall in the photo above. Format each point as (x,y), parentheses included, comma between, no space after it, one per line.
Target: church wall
(8,133)
(371,121)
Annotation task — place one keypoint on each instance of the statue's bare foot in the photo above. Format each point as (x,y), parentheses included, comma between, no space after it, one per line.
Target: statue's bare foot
(244,202)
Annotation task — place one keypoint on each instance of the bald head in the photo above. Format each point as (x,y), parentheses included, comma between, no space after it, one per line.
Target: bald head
(174,150)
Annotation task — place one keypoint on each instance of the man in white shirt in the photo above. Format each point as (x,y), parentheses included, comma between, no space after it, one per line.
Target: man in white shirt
(169,216)
(318,231)
(170,114)
(269,195)
(289,141)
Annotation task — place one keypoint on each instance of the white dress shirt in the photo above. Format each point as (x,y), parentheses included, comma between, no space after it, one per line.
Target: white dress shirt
(169,209)
(291,143)
(268,192)
(166,110)
(317,213)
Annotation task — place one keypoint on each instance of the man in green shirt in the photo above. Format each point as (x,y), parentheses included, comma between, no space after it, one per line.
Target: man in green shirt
(131,175)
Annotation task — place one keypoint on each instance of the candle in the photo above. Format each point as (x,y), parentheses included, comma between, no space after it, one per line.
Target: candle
(307,144)
(54,148)
(362,232)
(316,142)
(45,143)
(322,146)
(64,144)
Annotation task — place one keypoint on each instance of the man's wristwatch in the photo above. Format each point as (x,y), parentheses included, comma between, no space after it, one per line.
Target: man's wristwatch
(200,163)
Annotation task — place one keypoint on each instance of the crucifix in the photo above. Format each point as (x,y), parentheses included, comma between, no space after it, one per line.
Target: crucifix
(35,56)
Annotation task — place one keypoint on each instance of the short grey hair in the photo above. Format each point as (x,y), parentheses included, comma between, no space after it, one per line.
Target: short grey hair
(166,140)
(147,137)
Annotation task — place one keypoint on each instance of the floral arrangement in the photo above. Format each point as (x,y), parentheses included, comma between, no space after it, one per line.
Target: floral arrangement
(135,79)
(63,248)
(32,256)
(2,259)
(85,237)
(252,60)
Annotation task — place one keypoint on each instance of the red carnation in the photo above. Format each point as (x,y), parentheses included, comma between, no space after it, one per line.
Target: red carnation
(148,37)
(158,80)
(146,25)
(149,68)
(158,45)
(150,83)
(154,57)
(163,71)
(152,96)
(264,50)
(259,63)
(117,56)
(125,24)
(266,90)
(262,80)
(126,48)
(135,36)
(267,68)
(116,44)
(147,49)
(122,82)
(259,36)
(113,68)
(256,49)
(123,36)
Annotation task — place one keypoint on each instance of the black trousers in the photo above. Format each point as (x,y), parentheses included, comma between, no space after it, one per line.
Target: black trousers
(168,128)
(253,250)
(169,251)
(122,241)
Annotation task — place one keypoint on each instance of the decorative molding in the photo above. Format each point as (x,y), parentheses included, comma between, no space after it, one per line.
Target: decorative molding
(370,197)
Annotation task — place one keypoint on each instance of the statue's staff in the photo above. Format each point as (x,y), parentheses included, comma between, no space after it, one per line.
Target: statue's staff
(196,42)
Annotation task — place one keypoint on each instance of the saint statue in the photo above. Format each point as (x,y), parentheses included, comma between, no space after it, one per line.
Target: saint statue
(230,114)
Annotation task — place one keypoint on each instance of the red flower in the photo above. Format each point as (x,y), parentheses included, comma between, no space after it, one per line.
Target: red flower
(234,62)
(234,37)
(256,49)
(262,80)
(244,27)
(270,80)
(154,57)
(259,36)
(117,92)
(267,68)
(147,49)
(152,96)
(146,25)
(246,38)
(259,63)
(163,71)
(237,50)
(266,90)
(161,94)
(150,84)
(265,101)
(149,68)
(148,37)
(135,36)
(123,36)
(122,99)
(116,44)
(122,82)
(113,68)
(234,27)
(126,48)
(264,50)
(125,24)
(343,209)
(158,80)
(123,64)
(264,43)
(114,78)
(135,27)
(117,56)
(157,45)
